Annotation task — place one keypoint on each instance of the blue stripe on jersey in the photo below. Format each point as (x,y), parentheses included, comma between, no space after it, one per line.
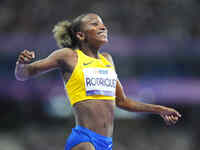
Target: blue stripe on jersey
(100,92)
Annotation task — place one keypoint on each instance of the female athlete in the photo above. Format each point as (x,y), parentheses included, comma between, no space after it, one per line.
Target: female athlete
(90,82)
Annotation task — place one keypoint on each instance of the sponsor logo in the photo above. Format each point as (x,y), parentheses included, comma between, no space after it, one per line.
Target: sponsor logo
(102,72)
(85,64)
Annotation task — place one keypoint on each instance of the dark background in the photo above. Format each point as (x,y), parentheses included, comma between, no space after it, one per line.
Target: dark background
(155,46)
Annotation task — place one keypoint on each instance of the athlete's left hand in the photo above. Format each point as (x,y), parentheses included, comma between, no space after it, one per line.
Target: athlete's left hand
(170,115)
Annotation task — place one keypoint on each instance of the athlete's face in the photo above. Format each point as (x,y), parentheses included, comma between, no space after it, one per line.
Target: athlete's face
(94,30)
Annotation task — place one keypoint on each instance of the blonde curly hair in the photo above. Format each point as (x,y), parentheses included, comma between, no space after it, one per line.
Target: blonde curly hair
(65,32)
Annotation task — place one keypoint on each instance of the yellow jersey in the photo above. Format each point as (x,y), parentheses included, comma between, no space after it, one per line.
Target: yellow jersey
(91,79)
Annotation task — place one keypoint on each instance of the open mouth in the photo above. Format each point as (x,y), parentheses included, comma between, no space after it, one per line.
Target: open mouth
(102,33)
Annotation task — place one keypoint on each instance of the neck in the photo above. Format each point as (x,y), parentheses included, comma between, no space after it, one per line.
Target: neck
(90,50)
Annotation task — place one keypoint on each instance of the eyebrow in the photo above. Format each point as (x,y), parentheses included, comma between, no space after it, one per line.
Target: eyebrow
(95,20)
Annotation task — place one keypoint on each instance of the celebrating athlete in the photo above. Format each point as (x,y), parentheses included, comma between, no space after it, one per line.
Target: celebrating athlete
(90,81)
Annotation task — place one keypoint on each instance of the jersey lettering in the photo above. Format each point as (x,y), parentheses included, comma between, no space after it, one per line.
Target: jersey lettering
(100,81)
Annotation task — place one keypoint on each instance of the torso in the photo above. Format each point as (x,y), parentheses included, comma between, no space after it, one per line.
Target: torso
(96,115)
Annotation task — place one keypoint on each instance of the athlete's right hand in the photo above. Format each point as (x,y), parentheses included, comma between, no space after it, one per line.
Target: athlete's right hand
(25,57)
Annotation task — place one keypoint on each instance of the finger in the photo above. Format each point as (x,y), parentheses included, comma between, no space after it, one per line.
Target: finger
(174,117)
(33,54)
(167,121)
(173,121)
(27,55)
(24,59)
(30,53)
(169,117)
(27,52)
(21,61)
(178,114)
(166,118)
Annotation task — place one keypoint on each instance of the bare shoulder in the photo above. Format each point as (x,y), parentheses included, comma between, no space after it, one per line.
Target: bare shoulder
(64,53)
(67,59)
(108,57)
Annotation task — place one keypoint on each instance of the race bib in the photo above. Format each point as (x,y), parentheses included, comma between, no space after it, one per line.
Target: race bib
(100,81)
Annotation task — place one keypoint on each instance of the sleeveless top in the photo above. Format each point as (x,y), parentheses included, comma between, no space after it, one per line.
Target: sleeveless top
(91,79)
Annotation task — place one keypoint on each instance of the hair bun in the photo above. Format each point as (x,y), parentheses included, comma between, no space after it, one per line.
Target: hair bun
(62,34)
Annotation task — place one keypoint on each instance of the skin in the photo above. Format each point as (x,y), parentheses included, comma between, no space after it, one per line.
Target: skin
(96,115)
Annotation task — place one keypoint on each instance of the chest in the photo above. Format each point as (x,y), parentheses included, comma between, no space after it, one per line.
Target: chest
(99,81)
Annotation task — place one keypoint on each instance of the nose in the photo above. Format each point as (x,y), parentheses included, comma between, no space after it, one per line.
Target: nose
(103,27)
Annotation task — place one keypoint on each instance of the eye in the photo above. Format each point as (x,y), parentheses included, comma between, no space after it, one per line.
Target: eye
(94,23)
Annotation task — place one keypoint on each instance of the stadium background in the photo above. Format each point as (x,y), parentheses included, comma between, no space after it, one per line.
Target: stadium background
(155,45)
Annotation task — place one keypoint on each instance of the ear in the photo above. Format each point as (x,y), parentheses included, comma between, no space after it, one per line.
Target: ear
(80,36)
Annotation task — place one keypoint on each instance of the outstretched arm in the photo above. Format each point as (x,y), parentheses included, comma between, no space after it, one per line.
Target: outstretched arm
(25,70)
(170,115)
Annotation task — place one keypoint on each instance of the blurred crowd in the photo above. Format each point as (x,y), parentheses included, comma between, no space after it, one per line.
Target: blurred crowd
(129,135)
(155,46)
(177,19)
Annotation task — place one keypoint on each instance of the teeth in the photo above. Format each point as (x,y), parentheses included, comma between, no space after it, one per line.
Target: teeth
(102,33)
